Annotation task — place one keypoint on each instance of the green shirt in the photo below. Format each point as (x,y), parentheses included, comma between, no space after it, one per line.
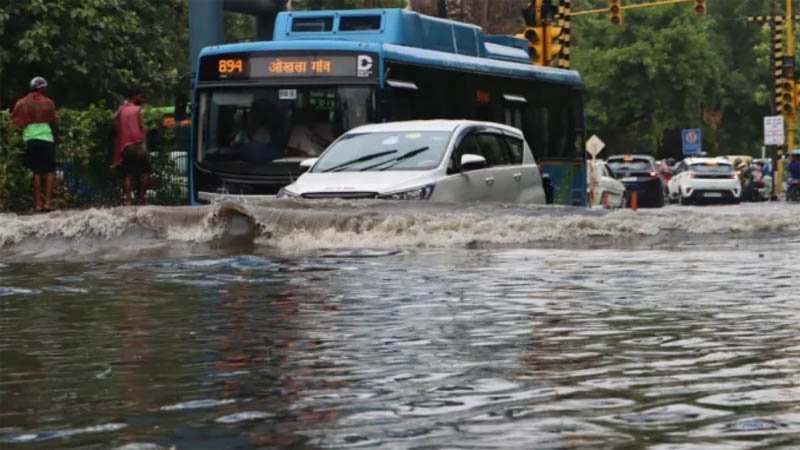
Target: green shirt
(39,131)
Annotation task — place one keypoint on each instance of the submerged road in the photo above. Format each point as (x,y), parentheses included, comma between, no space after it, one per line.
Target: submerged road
(387,326)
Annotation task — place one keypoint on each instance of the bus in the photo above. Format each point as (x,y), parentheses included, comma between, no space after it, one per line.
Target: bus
(260,108)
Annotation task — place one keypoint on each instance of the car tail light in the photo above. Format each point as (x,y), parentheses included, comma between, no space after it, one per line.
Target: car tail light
(735,176)
(760,184)
(653,174)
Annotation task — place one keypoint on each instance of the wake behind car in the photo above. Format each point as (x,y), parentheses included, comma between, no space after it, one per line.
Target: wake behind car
(640,175)
(705,179)
(437,160)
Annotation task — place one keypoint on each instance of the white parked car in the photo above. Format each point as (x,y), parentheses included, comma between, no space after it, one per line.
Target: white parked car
(437,160)
(705,179)
(609,191)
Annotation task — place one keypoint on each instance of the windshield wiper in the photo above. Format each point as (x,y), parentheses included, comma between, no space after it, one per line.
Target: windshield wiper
(359,159)
(393,162)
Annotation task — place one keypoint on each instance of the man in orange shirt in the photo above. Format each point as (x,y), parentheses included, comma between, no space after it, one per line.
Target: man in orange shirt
(130,150)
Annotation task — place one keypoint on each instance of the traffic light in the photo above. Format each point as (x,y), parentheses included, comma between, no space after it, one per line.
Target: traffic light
(789,101)
(535,37)
(796,95)
(553,43)
(615,10)
(700,7)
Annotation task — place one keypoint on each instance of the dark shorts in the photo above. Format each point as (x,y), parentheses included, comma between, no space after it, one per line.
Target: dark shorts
(135,160)
(40,156)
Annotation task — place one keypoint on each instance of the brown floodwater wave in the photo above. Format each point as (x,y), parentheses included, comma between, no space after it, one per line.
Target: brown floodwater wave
(292,227)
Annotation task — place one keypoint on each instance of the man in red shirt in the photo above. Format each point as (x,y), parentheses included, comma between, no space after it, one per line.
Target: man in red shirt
(36,115)
(130,150)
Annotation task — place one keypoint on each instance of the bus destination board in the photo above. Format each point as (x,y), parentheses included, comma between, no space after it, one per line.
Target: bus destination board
(268,66)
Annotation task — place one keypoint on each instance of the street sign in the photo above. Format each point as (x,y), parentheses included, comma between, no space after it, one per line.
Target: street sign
(692,141)
(773,130)
(594,146)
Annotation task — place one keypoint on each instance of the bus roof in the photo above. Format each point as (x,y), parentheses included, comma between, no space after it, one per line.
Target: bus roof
(404,36)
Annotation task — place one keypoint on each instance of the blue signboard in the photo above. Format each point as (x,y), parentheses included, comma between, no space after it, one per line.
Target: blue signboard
(692,141)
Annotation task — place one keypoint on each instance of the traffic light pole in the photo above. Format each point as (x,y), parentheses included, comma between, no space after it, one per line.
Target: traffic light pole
(641,5)
(791,126)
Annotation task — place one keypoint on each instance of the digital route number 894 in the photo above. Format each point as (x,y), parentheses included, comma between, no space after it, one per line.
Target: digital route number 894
(230,66)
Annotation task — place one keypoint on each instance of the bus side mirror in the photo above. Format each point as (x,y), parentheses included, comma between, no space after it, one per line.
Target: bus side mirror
(181,101)
(182,90)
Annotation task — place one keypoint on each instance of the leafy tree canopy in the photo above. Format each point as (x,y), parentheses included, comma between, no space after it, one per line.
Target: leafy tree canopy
(92,50)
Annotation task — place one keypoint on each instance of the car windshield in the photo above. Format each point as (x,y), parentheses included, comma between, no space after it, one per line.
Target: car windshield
(630,165)
(404,150)
(712,168)
(260,125)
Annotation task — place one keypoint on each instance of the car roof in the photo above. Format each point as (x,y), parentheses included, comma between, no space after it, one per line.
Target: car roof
(429,125)
(632,155)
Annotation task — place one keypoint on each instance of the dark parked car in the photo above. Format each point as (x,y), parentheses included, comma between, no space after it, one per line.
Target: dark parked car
(639,174)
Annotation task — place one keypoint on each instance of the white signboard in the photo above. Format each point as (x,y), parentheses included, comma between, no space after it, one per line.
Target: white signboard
(773,130)
(594,145)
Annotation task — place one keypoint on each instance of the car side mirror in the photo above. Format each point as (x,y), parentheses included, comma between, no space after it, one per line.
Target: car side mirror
(472,162)
(308,163)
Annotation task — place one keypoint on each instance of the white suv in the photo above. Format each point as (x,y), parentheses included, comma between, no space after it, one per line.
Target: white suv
(437,160)
(705,179)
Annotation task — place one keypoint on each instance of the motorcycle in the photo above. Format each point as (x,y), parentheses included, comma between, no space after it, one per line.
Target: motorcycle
(793,191)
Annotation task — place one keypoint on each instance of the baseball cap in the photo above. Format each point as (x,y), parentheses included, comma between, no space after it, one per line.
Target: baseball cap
(38,83)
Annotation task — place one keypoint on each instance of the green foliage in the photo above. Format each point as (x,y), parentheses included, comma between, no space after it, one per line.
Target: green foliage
(84,157)
(666,69)
(15,180)
(92,51)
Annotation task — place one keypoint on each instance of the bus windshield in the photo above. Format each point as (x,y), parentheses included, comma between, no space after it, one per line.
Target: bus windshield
(256,126)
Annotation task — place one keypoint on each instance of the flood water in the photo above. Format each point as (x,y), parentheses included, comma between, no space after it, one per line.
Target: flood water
(383,326)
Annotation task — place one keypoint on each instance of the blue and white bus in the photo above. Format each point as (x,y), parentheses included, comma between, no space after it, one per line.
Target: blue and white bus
(262,107)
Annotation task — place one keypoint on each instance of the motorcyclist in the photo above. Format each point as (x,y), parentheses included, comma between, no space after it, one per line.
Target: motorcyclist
(746,178)
(794,166)
(793,181)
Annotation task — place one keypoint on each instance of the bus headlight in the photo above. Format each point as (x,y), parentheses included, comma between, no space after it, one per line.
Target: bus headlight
(421,193)
(283,193)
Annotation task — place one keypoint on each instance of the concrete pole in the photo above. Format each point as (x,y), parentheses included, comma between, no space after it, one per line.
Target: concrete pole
(205,27)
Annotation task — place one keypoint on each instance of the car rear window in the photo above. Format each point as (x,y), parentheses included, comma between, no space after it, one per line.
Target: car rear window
(630,164)
(711,168)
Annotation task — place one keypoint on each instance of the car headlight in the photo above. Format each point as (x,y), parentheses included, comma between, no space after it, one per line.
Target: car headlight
(283,193)
(421,193)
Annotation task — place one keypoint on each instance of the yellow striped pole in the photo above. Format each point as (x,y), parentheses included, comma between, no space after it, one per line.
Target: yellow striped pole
(777,54)
(565,22)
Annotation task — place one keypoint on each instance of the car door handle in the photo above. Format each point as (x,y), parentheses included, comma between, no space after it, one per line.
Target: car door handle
(517,176)
(490,180)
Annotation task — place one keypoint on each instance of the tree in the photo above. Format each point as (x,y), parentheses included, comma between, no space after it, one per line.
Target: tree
(92,50)
(666,69)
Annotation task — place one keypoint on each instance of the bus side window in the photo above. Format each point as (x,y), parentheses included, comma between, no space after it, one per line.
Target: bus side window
(539,121)
(513,116)
(402,104)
